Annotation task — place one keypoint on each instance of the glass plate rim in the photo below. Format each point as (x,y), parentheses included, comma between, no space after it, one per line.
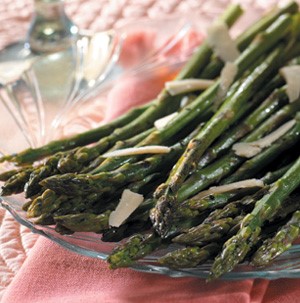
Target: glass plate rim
(141,265)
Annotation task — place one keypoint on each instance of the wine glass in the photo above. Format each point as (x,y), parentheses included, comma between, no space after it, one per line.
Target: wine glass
(54,64)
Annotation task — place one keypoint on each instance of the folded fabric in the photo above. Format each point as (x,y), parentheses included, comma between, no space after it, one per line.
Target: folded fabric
(53,274)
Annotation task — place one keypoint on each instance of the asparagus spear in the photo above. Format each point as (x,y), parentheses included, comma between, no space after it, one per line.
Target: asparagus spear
(93,167)
(66,165)
(229,163)
(223,118)
(196,205)
(154,137)
(199,60)
(215,65)
(272,176)
(159,108)
(109,180)
(15,184)
(190,256)
(84,222)
(6,175)
(275,246)
(236,248)
(207,232)
(206,99)
(235,208)
(32,154)
(81,184)
(258,162)
(50,167)
(263,111)
(137,247)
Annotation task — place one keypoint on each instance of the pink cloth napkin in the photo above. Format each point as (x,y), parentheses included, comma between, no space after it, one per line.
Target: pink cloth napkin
(52,274)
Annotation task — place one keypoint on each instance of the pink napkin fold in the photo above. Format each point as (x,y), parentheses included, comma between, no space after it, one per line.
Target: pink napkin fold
(52,274)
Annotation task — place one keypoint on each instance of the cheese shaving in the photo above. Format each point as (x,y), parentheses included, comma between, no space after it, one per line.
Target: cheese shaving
(162,122)
(177,87)
(219,39)
(227,76)
(151,149)
(249,183)
(129,202)
(251,149)
(184,101)
(291,75)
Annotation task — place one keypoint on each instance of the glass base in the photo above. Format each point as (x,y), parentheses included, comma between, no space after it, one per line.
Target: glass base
(16,51)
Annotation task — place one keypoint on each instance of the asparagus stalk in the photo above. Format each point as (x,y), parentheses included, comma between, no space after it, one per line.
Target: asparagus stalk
(223,118)
(215,65)
(196,205)
(81,184)
(159,108)
(235,208)
(112,163)
(157,137)
(137,247)
(268,39)
(227,164)
(278,244)
(199,60)
(207,232)
(32,154)
(272,176)
(265,110)
(6,175)
(190,256)
(236,248)
(109,180)
(84,222)
(258,162)
(15,184)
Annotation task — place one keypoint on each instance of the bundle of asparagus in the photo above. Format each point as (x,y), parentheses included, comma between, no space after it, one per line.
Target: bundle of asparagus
(223,182)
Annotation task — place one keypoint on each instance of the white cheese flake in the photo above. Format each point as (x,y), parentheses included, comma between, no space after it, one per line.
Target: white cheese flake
(219,39)
(184,101)
(162,122)
(129,202)
(249,183)
(177,87)
(151,149)
(251,149)
(291,75)
(227,76)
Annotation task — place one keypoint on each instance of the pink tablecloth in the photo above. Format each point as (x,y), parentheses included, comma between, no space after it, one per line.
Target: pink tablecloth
(33,269)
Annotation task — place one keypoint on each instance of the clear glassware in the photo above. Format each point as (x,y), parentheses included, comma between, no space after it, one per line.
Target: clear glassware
(63,63)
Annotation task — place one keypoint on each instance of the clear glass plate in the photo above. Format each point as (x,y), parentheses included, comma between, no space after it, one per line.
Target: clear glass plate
(79,117)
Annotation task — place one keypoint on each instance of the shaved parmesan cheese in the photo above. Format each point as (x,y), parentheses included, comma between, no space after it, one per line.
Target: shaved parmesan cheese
(177,87)
(151,149)
(219,39)
(162,122)
(291,75)
(184,101)
(251,149)
(11,71)
(249,183)
(129,202)
(228,74)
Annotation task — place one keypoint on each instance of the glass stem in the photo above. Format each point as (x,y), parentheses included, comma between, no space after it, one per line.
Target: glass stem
(51,30)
